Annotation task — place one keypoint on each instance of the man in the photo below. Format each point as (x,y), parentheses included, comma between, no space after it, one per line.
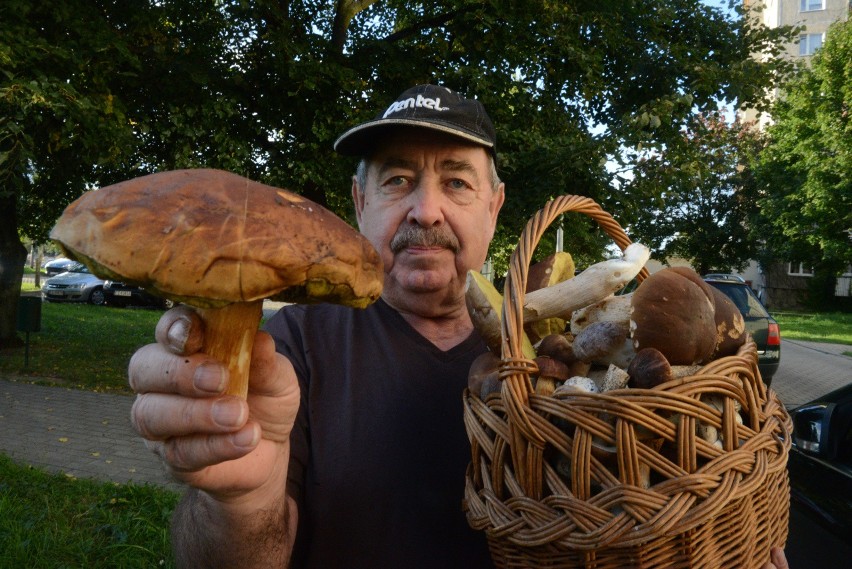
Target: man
(373,474)
(350,450)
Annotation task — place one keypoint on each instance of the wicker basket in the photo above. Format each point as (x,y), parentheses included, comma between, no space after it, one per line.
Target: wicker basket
(705,507)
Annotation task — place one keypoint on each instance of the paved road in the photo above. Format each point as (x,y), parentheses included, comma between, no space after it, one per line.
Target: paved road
(809,370)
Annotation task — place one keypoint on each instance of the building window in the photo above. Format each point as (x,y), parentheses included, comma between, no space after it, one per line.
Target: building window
(809,43)
(811,5)
(800,270)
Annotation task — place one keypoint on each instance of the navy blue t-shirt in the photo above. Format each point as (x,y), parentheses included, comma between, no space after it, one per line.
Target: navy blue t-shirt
(379,450)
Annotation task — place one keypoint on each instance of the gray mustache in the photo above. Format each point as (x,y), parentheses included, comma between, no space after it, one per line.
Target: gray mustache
(415,235)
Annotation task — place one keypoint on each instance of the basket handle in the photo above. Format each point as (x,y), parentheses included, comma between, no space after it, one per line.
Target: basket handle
(515,369)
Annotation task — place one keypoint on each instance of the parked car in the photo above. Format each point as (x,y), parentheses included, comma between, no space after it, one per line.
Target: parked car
(820,468)
(759,323)
(120,294)
(77,284)
(57,266)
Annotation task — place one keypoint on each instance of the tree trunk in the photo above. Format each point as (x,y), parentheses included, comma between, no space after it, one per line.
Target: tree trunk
(13,257)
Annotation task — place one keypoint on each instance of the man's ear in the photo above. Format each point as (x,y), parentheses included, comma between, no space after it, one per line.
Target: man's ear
(497,199)
(357,199)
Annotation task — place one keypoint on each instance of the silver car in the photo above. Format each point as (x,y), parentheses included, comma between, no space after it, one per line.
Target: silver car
(75,285)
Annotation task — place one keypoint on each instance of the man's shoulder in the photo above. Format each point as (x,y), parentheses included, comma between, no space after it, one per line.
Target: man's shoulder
(324,314)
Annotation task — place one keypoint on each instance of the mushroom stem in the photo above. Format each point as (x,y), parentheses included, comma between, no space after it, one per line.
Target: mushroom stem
(592,285)
(229,334)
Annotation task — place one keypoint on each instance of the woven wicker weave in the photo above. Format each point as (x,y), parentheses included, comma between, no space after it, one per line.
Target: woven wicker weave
(545,499)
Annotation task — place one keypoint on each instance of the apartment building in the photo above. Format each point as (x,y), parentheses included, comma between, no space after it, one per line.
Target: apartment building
(785,285)
(813,17)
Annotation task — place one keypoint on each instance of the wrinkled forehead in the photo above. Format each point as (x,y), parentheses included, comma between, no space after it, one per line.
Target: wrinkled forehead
(417,149)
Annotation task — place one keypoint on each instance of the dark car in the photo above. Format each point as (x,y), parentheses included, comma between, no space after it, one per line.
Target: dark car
(121,294)
(58,266)
(758,322)
(820,468)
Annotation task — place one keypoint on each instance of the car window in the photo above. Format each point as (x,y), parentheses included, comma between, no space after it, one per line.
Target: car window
(744,299)
(78,268)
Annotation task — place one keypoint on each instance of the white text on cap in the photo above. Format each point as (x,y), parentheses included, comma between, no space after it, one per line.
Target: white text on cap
(421,101)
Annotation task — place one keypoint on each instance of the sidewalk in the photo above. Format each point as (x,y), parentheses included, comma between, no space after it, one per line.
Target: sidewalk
(80,433)
(88,435)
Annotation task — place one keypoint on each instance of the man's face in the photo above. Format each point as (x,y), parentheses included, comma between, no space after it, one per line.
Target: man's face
(430,211)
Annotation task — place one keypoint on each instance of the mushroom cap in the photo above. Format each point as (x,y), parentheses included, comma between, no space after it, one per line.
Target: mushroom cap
(551,270)
(675,315)
(649,369)
(551,368)
(730,325)
(599,339)
(210,238)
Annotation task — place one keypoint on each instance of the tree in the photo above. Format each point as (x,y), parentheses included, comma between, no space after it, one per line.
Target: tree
(708,198)
(805,173)
(81,84)
(263,89)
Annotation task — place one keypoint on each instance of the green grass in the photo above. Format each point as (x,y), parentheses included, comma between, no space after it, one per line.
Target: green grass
(830,327)
(82,346)
(52,521)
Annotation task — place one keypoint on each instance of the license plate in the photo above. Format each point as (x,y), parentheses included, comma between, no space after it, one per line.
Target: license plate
(52,293)
(122,293)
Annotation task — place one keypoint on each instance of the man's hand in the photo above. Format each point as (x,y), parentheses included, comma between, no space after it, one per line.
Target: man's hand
(235,450)
(777,559)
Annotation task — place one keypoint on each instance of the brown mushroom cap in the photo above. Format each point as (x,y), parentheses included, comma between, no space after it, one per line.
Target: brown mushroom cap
(557,346)
(485,368)
(210,238)
(675,315)
(649,369)
(730,325)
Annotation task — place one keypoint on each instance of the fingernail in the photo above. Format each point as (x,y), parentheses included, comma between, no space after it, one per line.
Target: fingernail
(209,377)
(179,333)
(245,438)
(228,413)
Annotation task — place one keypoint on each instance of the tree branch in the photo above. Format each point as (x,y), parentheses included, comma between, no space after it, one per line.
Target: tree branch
(428,23)
(344,13)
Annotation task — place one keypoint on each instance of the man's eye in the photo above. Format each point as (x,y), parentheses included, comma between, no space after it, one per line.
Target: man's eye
(457,184)
(396,181)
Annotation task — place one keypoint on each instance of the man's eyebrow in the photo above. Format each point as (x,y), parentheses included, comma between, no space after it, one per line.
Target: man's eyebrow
(395,162)
(458,166)
(450,165)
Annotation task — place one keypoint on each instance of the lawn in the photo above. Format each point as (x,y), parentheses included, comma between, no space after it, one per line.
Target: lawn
(830,327)
(83,346)
(51,521)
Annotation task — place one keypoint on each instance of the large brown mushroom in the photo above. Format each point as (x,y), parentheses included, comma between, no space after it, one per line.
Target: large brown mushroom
(222,243)
(674,313)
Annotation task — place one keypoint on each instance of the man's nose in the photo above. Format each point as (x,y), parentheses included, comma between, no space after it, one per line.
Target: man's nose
(427,204)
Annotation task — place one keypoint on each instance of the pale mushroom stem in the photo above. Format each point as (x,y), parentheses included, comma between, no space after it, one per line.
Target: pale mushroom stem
(229,337)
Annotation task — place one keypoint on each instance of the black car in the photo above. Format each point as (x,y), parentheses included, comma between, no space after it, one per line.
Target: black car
(58,266)
(121,294)
(758,322)
(820,468)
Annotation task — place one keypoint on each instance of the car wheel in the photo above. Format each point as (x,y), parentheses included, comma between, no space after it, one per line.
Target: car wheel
(97,297)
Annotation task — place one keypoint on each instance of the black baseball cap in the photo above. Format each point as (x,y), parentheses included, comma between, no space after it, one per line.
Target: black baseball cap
(424,106)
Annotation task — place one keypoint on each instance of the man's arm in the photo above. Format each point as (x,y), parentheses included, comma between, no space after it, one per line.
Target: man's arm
(261,539)
(233,453)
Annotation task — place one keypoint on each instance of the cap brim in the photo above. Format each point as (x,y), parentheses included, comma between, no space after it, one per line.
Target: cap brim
(362,139)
